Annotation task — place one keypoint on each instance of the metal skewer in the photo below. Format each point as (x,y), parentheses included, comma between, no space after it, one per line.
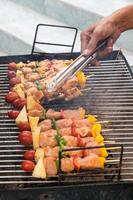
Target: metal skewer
(3,65)
(112,161)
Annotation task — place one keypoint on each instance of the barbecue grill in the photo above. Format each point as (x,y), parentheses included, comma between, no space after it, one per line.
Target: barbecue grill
(110,97)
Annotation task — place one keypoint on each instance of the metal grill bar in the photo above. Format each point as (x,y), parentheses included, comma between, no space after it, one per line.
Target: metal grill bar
(110,98)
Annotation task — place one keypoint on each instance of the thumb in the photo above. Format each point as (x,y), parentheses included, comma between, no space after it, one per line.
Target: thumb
(91,45)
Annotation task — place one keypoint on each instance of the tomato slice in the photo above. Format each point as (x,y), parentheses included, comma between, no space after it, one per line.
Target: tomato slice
(12,66)
(11,74)
(29,155)
(25,137)
(15,80)
(13,114)
(19,103)
(11,96)
(24,126)
(28,165)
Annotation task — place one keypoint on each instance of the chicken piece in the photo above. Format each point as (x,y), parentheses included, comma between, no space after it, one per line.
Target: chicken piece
(71,141)
(87,140)
(72,94)
(60,94)
(58,66)
(50,166)
(71,83)
(28,85)
(45,70)
(46,140)
(73,153)
(52,114)
(49,95)
(49,74)
(65,131)
(32,64)
(45,64)
(26,70)
(45,125)
(50,132)
(67,165)
(83,131)
(41,71)
(54,96)
(32,76)
(96,151)
(73,114)
(64,123)
(90,162)
(51,152)
(31,90)
(37,94)
(68,62)
(82,123)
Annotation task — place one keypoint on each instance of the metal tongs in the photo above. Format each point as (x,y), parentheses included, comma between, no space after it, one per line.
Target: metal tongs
(78,64)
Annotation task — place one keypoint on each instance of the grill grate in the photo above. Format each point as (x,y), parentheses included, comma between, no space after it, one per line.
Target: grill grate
(110,98)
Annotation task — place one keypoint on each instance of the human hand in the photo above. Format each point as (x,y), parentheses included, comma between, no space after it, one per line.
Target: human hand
(98,32)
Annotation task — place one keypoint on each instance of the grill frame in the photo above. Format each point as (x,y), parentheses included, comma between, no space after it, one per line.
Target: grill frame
(7,59)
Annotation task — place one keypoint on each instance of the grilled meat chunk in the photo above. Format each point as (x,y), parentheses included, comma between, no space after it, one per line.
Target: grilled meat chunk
(45,125)
(50,166)
(67,165)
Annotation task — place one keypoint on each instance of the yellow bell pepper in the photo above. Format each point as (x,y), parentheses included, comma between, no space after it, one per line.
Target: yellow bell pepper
(99,138)
(92,119)
(81,78)
(20,64)
(102,161)
(96,129)
(103,151)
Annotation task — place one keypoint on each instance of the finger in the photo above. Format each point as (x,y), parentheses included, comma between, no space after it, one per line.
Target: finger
(86,52)
(110,43)
(116,35)
(93,43)
(107,50)
(85,37)
(95,62)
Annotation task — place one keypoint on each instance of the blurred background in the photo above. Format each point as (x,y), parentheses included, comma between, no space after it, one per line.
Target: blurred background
(19,18)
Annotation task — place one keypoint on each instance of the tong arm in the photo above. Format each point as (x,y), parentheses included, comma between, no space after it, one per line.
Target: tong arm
(77,65)
(64,74)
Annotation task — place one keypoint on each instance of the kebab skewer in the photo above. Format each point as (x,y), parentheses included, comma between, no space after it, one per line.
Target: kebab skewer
(31,80)
(70,130)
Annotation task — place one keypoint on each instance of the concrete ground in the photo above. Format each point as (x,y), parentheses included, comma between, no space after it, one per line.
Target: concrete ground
(18,20)
(18,27)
